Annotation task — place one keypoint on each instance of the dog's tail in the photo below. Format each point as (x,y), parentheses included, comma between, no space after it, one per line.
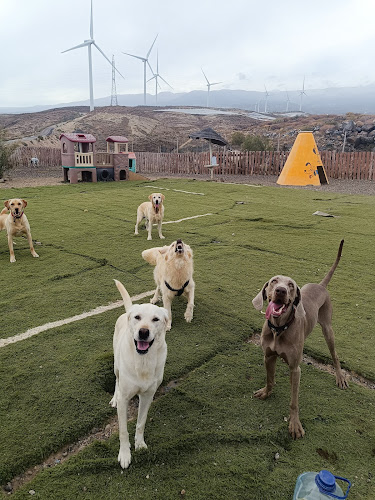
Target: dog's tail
(329,275)
(151,255)
(4,211)
(124,294)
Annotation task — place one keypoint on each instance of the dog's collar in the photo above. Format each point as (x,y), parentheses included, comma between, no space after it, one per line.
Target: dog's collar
(280,329)
(17,216)
(178,292)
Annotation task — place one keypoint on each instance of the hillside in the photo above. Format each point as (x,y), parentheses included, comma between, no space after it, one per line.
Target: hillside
(150,129)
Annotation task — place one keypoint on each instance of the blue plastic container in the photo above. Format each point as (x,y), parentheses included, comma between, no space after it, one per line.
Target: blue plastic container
(319,486)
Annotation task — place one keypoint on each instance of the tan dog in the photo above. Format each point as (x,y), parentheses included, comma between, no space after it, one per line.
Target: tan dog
(140,352)
(173,275)
(153,212)
(290,317)
(16,224)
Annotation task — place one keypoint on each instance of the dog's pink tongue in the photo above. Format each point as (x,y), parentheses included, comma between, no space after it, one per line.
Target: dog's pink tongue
(142,346)
(274,309)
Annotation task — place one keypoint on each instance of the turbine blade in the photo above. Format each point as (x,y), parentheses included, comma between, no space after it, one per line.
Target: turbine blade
(161,78)
(110,62)
(84,44)
(205,76)
(149,80)
(91,24)
(132,55)
(149,65)
(149,52)
(215,83)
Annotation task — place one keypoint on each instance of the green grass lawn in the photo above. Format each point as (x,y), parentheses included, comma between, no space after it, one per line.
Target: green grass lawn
(208,436)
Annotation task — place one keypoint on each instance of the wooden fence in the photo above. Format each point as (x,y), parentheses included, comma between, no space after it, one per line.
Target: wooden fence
(358,165)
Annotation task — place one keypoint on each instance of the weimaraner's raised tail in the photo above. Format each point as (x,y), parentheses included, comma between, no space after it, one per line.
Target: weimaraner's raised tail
(328,276)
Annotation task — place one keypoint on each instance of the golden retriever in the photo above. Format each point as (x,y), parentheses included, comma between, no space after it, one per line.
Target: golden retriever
(173,275)
(152,211)
(16,224)
(140,352)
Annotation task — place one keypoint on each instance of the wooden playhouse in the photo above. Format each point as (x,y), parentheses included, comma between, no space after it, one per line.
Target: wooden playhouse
(80,160)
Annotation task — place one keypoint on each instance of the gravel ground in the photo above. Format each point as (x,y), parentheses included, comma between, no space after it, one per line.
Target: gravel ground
(39,176)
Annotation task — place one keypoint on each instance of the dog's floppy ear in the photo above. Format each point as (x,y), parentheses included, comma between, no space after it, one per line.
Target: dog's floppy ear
(300,311)
(162,197)
(258,300)
(150,197)
(24,203)
(6,203)
(165,315)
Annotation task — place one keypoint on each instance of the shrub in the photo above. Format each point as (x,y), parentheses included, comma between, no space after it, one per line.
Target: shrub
(5,152)
(256,143)
(237,138)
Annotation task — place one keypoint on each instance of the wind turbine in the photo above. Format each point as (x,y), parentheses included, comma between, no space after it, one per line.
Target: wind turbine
(88,43)
(301,93)
(266,99)
(156,76)
(145,61)
(287,101)
(209,86)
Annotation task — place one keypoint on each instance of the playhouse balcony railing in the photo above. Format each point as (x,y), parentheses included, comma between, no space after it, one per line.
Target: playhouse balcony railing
(84,159)
(103,159)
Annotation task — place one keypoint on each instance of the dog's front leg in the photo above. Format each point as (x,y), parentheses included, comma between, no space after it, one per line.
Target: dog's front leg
(167,303)
(11,249)
(295,426)
(156,296)
(270,365)
(124,456)
(159,230)
(190,305)
(32,249)
(145,400)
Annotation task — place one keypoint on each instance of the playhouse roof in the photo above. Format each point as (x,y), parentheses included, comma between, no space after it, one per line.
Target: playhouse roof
(79,137)
(209,134)
(117,138)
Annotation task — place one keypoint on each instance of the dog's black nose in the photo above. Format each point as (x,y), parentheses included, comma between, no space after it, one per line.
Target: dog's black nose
(143,333)
(280,291)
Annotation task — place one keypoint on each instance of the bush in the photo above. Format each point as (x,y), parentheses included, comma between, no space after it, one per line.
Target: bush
(238,138)
(5,152)
(256,143)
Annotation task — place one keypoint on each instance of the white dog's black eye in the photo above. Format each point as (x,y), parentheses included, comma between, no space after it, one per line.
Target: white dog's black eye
(137,317)
(155,319)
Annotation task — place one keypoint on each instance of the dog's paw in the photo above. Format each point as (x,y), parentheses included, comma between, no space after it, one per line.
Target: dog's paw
(34,254)
(140,444)
(12,259)
(262,393)
(153,300)
(188,316)
(162,237)
(149,238)
(296,429)
(113,402)
(169,326)
(124,457)
(341,381)
(136,233)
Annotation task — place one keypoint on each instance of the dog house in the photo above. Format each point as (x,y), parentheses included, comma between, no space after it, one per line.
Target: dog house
(77,155)
(80,158)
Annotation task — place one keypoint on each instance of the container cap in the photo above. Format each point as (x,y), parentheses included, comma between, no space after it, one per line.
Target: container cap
(325,481)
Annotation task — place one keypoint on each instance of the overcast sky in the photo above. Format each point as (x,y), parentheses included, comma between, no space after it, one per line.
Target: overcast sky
(245,44)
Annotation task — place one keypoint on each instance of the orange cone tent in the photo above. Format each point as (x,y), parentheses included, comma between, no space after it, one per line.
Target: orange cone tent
(304,166)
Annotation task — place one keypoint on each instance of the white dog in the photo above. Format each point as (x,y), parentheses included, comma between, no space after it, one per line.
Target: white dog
(173,275)
(152,211)
(16,224)
(140,352)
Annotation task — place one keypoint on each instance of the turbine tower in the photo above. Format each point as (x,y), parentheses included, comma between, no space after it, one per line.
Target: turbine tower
(114,90)
(88,43)
(209,85)
(145,61)
(266,99)
(156,76)
(287,101)
(301,94)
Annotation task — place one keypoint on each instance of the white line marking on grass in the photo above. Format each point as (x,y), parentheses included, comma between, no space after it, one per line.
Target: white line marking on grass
(54,324)
(186,218)
(177,190)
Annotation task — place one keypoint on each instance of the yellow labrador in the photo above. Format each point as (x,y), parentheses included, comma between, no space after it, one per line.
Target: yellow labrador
(16,224)
(173,275)
(153,212)
(140,352)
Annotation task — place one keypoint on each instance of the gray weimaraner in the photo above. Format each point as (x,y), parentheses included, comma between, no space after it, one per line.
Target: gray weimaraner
(291,315)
